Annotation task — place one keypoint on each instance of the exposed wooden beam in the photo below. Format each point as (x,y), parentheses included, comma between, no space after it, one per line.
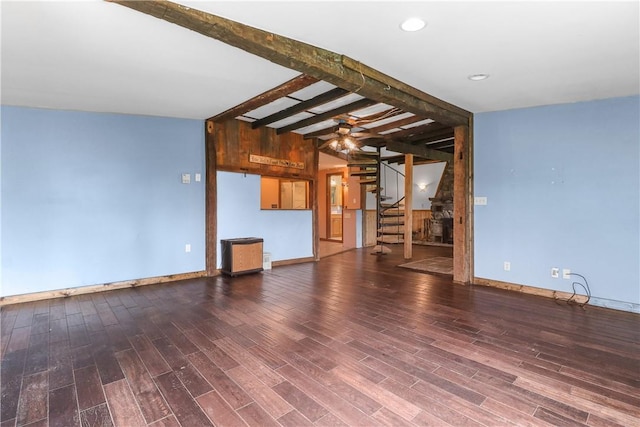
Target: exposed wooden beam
(419,150)
(427,137)
(308,59)
(301,106)
(449,142)
(321,132)
(361,103)
(462,207)
(385,114)
(284,89)
(377,75)
(415,132)
(397,124)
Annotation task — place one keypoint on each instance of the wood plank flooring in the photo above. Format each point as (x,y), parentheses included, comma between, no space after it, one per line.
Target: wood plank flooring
(351,340)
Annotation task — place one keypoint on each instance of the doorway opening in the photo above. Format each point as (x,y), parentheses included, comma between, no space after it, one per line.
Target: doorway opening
(335,204)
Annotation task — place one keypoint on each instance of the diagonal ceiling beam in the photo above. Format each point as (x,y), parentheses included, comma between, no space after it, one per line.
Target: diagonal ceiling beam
(320,63)
(271,95)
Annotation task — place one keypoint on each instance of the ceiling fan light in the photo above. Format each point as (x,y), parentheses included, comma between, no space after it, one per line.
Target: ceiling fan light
(413,24)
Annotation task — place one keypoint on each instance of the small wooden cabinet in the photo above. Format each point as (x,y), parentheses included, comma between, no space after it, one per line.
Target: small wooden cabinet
(241,256)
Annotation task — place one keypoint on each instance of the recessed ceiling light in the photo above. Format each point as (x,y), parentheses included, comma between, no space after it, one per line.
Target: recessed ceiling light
(478,77)
(413,24)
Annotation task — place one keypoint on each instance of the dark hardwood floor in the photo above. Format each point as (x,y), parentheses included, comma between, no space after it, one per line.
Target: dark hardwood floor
(350,340)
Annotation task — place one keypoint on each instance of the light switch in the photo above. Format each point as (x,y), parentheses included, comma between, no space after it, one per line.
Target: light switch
(197,177)
(480,201)
(186,178)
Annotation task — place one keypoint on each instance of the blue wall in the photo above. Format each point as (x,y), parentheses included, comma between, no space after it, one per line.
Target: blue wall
(563,191)
(287,234)
(89,198)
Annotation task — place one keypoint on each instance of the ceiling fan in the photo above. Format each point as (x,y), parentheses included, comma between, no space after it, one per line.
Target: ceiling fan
(343,138)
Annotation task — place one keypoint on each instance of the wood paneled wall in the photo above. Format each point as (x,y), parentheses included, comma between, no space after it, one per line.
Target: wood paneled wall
(235,141)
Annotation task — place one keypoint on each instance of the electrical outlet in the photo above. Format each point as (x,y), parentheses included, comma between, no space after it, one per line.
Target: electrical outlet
(186,178)
(566,273)
(555,272)
(507,266)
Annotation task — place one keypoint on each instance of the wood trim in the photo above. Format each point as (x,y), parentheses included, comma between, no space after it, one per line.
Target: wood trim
(211,200)
(462,207)
(292,261)
(408,206)
(526,289)
(314,61)
(67,292)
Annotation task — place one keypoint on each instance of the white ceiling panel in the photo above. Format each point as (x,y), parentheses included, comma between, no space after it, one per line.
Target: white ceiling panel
(101,56)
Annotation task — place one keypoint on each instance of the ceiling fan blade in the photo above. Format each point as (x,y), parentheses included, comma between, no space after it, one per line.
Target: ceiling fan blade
(325,144)
(366,135)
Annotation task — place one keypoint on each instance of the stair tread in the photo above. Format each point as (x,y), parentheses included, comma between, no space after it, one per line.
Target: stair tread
(364,173)
(368,181)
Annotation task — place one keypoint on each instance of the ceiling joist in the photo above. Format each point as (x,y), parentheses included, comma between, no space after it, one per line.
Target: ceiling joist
(300,107)
(319,63)
(361,103)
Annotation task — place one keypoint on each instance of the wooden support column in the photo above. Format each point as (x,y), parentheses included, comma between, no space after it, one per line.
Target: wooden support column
(211,201)
(462,206)
(408,206)
(314,205)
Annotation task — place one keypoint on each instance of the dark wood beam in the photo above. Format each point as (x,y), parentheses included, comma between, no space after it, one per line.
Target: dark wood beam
(371,118)
(361,103)
(302,106)
(397,124)
(431,136)
(414,133)
(392,82)
(321,132)
(322,64)
(284,89)
(419,150)
(443,144)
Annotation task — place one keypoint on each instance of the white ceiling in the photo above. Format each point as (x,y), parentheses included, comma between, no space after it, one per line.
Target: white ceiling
(100,56)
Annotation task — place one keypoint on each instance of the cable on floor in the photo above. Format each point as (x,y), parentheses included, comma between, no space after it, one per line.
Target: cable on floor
(572,299)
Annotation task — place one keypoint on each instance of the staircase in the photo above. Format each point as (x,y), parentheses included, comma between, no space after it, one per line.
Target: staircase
(389,212)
